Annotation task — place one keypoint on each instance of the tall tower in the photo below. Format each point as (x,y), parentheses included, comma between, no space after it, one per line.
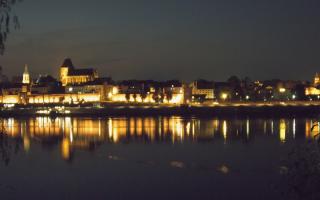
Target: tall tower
(26,76)
(66,67)
(316,79)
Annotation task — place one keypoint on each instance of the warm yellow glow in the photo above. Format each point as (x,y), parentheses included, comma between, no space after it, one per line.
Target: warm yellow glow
(282,90)
(10,99)
(26,143)
(248,128)
(67,98)
(224,96)
(294,128)
(176,99)
(312,91)
(26,76)
(282,130)
(115,90)
(224,130)
(65,149)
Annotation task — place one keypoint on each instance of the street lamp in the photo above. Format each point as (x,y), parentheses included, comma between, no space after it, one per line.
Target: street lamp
(224,96)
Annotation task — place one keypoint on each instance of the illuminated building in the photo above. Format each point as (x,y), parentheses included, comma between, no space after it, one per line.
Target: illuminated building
(314,90)
(63,98)
(26,76)
(70,75)
(316,80)
(100,86)
(202,89)
(46,84)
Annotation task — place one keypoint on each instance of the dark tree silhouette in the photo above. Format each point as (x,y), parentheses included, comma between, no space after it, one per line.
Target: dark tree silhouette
(169,95)
(155,97)
(128,96)
(8,20)
(143,95)
(134,97)
(8,146)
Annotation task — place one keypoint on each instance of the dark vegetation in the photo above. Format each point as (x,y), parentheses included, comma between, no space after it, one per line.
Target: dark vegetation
(8,20)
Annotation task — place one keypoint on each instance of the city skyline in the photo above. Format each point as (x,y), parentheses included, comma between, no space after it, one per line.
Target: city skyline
(190,40)
(34,76)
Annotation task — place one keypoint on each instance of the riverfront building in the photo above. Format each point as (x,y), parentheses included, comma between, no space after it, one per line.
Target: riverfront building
(70,75)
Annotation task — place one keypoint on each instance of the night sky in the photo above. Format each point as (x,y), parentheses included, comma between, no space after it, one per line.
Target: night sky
(168,39)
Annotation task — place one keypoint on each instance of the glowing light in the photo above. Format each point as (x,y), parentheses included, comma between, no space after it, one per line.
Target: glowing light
(248,128)
(282,130)
(188,127)
(10,99)
(26,143)
(9,105)
(294,128)
(65,149)
(224,96)
(176,99)
(224,130)
(282,90)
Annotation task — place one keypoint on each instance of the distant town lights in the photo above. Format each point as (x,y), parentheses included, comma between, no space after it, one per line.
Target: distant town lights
(294,96)
(282,90)
(224,96)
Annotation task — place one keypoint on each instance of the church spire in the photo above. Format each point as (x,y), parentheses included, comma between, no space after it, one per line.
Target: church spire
(26,76)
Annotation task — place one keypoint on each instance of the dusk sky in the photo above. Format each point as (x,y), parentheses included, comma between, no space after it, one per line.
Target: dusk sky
(168,39)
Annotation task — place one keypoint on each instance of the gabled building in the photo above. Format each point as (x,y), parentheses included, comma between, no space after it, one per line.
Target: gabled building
(70,75)
(202,90)
(46,84)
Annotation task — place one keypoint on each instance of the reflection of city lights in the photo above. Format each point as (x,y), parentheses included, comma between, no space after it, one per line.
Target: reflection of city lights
(248,128)
(26,143)
(308,128)
(224,130)
(188,128)
(294,128)
(80,132)
(110,128)
(99,128)
(282,130)
(65,149)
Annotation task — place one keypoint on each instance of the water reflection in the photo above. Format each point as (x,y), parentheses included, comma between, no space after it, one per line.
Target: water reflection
(88,133)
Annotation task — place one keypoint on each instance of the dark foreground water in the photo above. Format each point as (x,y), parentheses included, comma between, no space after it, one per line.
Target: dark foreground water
(147,157)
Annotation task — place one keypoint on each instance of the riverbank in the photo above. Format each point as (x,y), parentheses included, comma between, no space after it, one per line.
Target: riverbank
(280,109)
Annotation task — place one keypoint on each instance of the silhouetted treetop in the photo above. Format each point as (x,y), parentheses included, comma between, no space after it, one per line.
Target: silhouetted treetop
(7,20)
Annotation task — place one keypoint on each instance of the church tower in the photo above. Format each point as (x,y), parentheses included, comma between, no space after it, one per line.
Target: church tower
(65,69)
(26,76)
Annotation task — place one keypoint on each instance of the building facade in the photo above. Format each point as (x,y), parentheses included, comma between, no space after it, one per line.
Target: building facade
(70,75)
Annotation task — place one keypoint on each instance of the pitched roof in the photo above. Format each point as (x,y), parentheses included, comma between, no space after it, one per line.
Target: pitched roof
(67,63)
(81,72)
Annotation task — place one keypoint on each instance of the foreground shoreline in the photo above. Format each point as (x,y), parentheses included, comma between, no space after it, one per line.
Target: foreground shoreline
(305,109)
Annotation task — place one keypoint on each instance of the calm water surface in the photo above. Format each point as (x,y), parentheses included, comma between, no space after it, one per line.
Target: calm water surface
(147,157)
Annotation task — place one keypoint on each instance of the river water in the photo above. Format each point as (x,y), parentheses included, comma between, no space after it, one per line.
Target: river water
(148,157)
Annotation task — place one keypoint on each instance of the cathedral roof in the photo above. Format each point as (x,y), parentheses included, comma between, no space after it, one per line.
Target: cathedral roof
(67,63)
(81,72)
